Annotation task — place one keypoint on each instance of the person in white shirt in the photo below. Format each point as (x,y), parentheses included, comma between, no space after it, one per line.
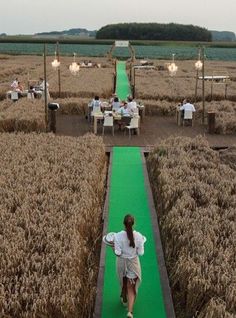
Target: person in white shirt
(42,84)
(41,87)
(115,104)
(96,104)
(14,84)
(132,105)
(187,106)
(128,246)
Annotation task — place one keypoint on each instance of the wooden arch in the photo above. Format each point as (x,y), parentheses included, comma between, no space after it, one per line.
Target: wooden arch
(122,44)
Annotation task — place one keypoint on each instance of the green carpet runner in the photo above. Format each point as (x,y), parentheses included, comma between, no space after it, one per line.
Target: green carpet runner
(128,195)
(122,82)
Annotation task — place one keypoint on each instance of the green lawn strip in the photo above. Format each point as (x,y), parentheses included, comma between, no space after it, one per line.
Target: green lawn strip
(128,195)
(122,82)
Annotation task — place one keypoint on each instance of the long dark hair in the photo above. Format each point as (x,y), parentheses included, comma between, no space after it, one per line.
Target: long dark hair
(128,223)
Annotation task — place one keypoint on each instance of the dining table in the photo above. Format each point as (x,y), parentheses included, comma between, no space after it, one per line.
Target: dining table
(100,116)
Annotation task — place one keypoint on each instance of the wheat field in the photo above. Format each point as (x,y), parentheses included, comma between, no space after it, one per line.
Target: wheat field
(159,92)
(51,201)
(194,189)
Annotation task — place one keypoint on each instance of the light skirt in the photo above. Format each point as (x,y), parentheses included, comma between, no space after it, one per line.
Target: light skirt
(129,268)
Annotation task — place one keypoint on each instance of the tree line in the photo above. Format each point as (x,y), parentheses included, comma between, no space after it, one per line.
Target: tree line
(154,31)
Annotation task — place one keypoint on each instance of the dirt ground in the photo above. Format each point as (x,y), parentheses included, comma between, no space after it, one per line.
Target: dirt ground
(153,130)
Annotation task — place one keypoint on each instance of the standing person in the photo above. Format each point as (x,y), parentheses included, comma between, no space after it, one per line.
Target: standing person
(128,245)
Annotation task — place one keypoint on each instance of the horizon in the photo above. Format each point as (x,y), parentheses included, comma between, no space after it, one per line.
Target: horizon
(46,16)
(92,30)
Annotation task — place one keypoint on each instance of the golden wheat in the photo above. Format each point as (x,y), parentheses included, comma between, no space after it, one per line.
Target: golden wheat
(195,196)
(51,200)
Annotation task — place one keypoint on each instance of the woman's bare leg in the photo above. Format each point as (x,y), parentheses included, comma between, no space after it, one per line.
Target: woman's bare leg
(124,290)
(131,295)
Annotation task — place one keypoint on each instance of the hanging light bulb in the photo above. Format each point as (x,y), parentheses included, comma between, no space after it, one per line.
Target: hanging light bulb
(198,64)
(172,67)
(74,67)
(55,63)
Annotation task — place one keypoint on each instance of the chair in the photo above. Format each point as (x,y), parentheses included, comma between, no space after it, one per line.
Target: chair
(89,114)
(135,111)
(14,96)
(134,124)
(30,95)
(108,122)
(125,120)
(188,116)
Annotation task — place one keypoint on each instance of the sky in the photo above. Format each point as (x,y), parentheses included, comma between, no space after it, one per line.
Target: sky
(29,17)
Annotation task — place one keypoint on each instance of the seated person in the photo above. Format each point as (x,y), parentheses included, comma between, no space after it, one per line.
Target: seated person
(42,84)
(41,87)
(14,84)
(32,91)
(187,106)
(132,105)
(90,64)
(19,89)
(115,104)
(112,98)
(123,110)
(96,104)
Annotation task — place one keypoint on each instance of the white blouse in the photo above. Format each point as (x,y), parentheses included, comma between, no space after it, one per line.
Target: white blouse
(122,248)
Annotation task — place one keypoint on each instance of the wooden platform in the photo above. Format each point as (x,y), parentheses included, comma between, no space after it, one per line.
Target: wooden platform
(153,130)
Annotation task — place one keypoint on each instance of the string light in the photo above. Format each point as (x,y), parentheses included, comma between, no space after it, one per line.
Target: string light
(55,63)
(74,67)
(172,67)
(198,64)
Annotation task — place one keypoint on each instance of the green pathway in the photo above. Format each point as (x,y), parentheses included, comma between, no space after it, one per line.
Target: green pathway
(128,195)
(122,82)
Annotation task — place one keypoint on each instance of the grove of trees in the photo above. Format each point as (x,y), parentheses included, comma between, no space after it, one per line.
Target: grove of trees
(154,31)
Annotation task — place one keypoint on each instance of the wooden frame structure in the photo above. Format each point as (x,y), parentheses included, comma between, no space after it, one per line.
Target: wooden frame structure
(217,78)
(114,45)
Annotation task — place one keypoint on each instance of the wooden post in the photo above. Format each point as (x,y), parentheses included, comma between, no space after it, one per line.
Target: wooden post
(115,66)
(53,121)
(226,87)
(114,83)
(115,77)
(134,83)
(58,71)
(196,86)
(130,73)
(203,83)
(45,88)
(212,87)
(211,122)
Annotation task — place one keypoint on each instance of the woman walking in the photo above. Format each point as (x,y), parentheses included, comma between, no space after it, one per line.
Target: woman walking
(128,245)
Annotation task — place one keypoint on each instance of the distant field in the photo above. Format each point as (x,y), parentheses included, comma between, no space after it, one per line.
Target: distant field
(144,49)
